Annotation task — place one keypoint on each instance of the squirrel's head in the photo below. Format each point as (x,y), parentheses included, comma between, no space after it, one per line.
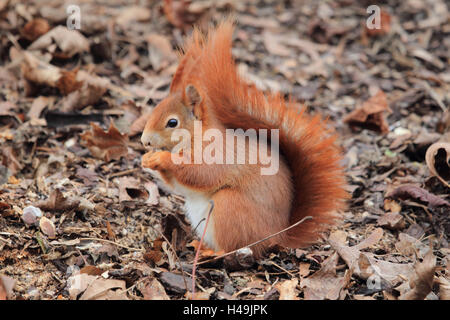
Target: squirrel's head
(178,111)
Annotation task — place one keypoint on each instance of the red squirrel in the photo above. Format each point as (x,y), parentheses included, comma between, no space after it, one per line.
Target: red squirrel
(248,206)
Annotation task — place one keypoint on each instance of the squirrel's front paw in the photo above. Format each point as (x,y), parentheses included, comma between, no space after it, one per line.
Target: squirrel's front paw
(159,160)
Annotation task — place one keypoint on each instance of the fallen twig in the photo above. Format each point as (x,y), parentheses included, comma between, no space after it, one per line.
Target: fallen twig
(112,242)
(256,242)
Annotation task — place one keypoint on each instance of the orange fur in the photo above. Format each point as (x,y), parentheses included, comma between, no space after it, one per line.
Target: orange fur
(249,206)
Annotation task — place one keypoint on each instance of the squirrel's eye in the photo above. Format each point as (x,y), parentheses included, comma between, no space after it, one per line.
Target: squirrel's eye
(172,123)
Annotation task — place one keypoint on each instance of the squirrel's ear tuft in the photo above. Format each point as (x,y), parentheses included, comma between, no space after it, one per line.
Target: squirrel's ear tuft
(193,100)
(192,96)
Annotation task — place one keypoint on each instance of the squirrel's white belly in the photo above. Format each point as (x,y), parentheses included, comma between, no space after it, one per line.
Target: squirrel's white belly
(197,209)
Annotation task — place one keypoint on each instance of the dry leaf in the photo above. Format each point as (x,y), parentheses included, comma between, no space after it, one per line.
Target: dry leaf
(365,265)
(35,28)
(69,42)
(6,287)
(199,295)
(179,13)
(108,248)
(102,289)
(2,291)
(444,288)
(39,71)
(68,82)
(171,257)
(82,87)
(6,107)
(154,291)
(287,289)
(39,104)
(256,22)
(57,202)
(176,230)
(92,270)
(95,288)
(154,256)
(53,14)
(130,189)
(10,160)
(325,284)
(47,227)
(392,206)
(408,245)
(409,191)
(323,31)
(133,14)
(392,221)
(438,161)
(175,282)
(13,180)
(422,280)
(43,73)
(102,83)
(160,51)
(368,266)
(85,95)
(372,239)
(89,177)
(338,236)
(153,193)
(371,114)
(304,269)
(3,4)
(444,123)
(78,283)
(5,209)
(106,145)
(274,46)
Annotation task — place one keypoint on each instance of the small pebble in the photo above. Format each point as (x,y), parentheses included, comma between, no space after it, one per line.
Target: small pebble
(31,215)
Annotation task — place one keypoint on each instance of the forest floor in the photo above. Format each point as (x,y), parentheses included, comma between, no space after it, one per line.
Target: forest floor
(80,219)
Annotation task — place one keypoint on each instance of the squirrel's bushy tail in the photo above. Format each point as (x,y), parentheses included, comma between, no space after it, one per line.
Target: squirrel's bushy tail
(306,144)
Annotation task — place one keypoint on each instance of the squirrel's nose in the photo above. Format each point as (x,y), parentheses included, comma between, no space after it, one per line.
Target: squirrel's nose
(145,139)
